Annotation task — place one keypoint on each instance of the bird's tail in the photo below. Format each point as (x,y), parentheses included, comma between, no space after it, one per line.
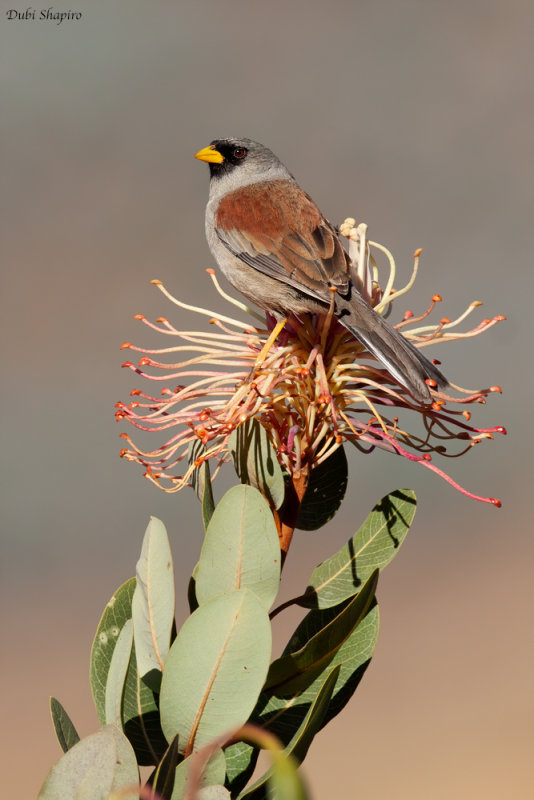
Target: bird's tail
(399,356)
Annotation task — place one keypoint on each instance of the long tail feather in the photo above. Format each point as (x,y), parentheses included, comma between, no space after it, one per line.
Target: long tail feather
(399,356)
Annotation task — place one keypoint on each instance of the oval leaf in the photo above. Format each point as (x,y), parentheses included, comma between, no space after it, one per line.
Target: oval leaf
(86,770)
(126,770)
(93,768)
(241,548)
(65,731)
(140,714)
(372,547)
(116,613)
(215,669)
(117,675)
(255,461)
(153,603)
(325,492)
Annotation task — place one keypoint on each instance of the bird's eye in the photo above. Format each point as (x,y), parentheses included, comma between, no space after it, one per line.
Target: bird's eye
(240,152)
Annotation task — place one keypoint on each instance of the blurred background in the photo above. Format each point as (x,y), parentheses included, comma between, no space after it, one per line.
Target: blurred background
(415,117)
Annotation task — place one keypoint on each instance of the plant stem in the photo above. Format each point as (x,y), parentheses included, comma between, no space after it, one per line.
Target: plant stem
(286,519)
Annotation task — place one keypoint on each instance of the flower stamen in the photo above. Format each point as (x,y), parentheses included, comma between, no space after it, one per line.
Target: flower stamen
(306,380)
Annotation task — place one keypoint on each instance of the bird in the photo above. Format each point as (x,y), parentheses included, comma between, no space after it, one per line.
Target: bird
(275,247)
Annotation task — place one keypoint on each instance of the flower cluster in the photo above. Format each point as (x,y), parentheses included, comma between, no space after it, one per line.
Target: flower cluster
(316,387)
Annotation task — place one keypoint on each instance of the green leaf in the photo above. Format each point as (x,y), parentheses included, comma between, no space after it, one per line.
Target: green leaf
(140,717)
(241,548)
(116,613)
(65,730)
(285,781)
(324,493)
(302,739)
(126,769)
(241,758)
(162,780)
(116,679)
(212,773)
(93,768)
(288,717)
(283,716)
(140,713)
(373,546)
(153,603)
(201,481)
(213,793)
(295,671)
(215,669)
(84,771)
(255,461)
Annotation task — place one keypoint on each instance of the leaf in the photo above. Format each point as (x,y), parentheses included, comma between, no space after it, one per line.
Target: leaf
(285,781)
(140,717)
(283,716)
(92,769)
(84,771)
(255,461)
(296,719)
(241,758)
(241,548)
(302,739)
(140,713)
(214,792)
(126,769)
(162,780)
(373,546)
(116,679)
(212,773)
(201,481)
(153,603)
(215,669)
(295,671)
(324,493)
(65,730)
(116,613)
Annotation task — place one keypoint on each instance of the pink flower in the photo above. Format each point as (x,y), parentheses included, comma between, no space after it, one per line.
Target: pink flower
(316,389)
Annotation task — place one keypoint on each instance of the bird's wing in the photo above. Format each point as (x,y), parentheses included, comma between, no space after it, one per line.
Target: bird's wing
(275,227)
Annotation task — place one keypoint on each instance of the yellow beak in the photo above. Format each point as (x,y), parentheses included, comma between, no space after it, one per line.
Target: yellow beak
(210,154)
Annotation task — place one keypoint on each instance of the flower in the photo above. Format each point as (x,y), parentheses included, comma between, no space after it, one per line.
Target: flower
(316,388)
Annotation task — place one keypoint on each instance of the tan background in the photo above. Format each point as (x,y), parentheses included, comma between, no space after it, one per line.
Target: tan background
(415,116)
